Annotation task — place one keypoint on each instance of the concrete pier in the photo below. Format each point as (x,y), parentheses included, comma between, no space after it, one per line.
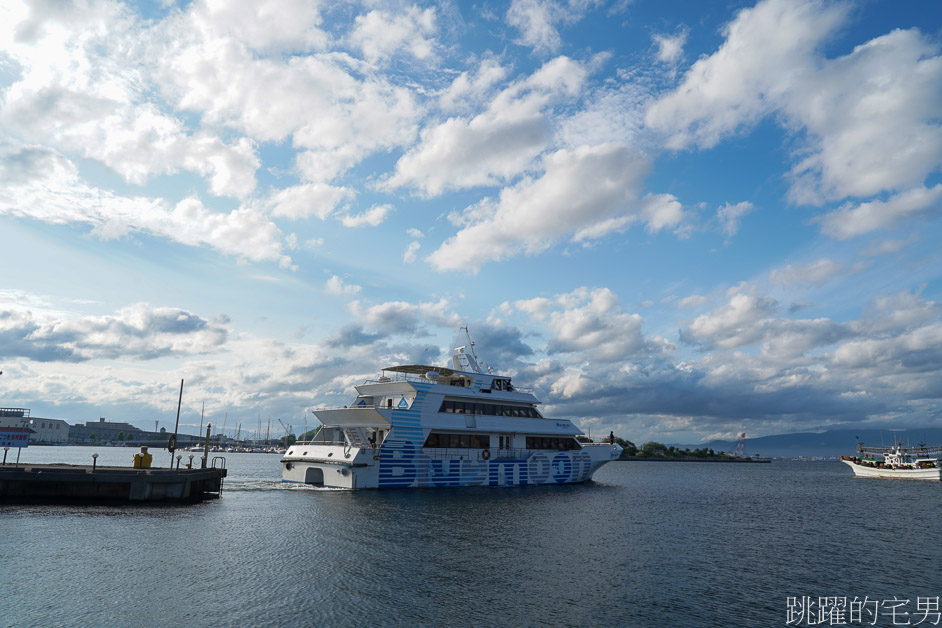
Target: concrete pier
(61,483)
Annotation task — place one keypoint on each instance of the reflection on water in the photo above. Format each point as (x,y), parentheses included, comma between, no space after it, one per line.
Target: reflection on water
(646,544)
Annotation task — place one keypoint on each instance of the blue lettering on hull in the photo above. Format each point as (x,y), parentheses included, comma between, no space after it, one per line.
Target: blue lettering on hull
(402,463)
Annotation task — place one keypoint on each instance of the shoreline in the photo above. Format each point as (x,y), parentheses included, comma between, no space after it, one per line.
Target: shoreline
(691,459)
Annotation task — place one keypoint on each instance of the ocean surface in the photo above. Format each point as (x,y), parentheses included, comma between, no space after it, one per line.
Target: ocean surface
(645,544)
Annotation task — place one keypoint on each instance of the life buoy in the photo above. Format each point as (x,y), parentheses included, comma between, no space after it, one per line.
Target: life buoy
(486,454)
(171,443)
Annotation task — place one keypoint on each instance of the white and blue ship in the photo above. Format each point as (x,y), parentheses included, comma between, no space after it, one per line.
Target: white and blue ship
(431,426)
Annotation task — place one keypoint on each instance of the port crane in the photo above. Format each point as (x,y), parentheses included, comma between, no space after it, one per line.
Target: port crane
(287,429)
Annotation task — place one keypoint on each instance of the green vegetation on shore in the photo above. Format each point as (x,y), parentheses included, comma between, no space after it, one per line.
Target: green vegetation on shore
(654,449)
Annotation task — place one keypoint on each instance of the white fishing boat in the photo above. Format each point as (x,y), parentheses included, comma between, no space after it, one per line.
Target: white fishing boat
(912,463)
(432,426)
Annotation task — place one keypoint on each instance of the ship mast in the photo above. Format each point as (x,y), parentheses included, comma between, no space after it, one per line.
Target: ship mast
(460,359)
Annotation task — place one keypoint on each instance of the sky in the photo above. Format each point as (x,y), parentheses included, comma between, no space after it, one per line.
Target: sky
(675,220)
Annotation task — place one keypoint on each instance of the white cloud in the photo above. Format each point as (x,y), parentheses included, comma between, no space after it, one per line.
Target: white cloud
(372,217)
(44,185)
(590,190)
(871,119)
(335,285)
(409,256)
(670,49)
(306,200)
(748,320)
(139,331)
(467,153)
(888,247)
(694,300)
(80,94)
(609,112)
(729,216)
(850,221)
(326,103)
(467,90)
(493,146)
(767,48)
(733,324)
(380,34)
(267,26)
(401,317)
(537,20)
(874,353)
(590,323)
(867,121)
(816,272)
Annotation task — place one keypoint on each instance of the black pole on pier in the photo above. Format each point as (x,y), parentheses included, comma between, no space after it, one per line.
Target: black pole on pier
(172,442)
(209,426)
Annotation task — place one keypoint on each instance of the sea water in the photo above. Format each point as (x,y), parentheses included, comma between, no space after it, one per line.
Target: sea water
(645,544)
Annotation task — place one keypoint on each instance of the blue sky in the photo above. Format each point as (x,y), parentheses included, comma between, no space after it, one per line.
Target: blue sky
(675,220)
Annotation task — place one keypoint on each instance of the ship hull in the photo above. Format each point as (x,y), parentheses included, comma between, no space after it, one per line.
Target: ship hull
(401,465)
(864,471)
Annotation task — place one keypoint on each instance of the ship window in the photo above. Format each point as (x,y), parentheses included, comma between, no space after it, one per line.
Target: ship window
(551,442)
(437,440)
(492,409)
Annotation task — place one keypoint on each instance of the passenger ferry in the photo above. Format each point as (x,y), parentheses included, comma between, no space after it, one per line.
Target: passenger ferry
(432,426)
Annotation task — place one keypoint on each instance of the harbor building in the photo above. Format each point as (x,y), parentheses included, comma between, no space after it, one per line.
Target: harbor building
(45,431)
(102,430)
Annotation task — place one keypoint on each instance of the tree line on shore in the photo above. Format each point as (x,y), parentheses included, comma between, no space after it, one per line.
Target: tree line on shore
(654,449)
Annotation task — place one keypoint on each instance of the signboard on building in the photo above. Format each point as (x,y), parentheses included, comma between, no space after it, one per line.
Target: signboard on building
(14,436)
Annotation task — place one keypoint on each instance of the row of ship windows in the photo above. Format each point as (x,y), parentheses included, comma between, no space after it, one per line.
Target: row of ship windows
(493,409)
(456,441)
(483,441)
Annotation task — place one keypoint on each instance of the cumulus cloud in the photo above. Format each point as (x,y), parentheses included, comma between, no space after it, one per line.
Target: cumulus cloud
(320,100)
(670,49)
(495,145)
(470,89)
(887,247)
(854,220)
(814,273)
(139,331)
(694,300)
(44,185)
(591,190)
(733,324)
(538,20)
(591,323)
(336,285)
(78,94)
(409,256)
(750,320)
(372,217)
(401,317)
(867,121)
(309,199)
(380,34)
(729,215)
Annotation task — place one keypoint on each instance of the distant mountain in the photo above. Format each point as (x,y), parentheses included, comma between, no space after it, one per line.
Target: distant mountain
(826,444)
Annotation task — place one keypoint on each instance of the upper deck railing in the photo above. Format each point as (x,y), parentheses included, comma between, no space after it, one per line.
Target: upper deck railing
(919,450)
(396,376)
(15,412)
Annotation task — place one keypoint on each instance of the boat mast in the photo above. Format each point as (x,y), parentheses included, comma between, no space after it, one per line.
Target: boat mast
(462,361)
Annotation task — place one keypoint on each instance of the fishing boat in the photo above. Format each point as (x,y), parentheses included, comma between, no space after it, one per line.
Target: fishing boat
(912,463)
(433,426)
